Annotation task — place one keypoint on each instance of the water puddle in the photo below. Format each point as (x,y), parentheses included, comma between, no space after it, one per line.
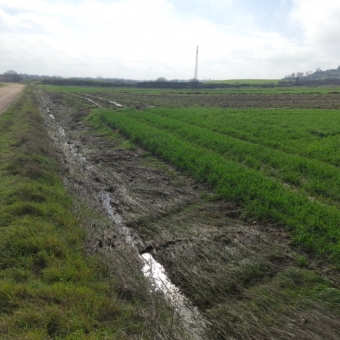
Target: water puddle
(92,101)
(115,103)
(109,101)
(156,273)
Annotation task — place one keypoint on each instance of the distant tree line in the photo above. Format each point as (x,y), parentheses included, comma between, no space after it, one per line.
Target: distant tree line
(308,82)
(317,78)
(84,82)
(11,76)
(328,75)
(188,85)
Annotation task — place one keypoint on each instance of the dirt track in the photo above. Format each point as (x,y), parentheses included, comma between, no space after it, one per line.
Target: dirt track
(8,94)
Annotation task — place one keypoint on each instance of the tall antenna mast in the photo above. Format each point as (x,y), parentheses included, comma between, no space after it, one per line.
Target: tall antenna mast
(196,66)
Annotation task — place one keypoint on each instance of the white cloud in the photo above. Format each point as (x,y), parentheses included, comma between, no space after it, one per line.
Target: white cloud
(148,39)
(10,23)
(320,22)
(38,6)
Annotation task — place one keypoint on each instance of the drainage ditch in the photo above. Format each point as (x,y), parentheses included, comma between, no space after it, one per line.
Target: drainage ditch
(151,268)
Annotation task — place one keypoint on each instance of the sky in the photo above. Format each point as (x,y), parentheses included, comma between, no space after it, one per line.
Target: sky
(147,39)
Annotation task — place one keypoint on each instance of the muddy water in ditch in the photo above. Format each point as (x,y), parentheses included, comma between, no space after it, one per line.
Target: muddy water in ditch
(104,99)
(88,98)
(151,269)
(156,273)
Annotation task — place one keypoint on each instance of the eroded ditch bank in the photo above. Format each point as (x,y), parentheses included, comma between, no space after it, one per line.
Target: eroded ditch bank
(156,273)
(73,156)
(245,278)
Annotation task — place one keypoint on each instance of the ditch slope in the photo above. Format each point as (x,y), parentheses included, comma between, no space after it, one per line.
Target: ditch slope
(246,278)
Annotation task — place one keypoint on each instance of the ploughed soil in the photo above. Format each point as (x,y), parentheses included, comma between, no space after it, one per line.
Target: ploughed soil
(240,100)
(8,94)
(245,277)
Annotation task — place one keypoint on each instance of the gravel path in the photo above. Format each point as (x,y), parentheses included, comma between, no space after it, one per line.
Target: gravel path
(8,94)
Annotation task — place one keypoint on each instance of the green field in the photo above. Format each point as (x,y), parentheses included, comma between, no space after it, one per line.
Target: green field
(243,81)
(236,90)
(281,165)
(256,249)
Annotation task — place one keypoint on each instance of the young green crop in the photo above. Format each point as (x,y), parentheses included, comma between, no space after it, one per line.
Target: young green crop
(315,177)
(310,133)
(314,226)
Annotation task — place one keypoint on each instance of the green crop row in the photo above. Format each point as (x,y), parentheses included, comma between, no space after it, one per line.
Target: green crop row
(310,133)
(313,226)
(315,177)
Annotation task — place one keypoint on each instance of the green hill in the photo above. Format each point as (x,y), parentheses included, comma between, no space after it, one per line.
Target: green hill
(243,81)
(317,75)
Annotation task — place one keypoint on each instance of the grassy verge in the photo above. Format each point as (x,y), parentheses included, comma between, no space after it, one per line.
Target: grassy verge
(49,289)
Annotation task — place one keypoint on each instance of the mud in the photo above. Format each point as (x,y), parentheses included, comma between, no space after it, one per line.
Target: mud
(102,99)
(219,259)
(241,100)
(156,273)
(96,175)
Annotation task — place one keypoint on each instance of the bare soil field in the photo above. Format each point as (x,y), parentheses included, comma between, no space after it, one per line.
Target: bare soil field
(246,277)
(168,99)
(8,95)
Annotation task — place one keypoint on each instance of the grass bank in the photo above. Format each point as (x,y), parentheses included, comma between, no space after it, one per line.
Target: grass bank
(49,288)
